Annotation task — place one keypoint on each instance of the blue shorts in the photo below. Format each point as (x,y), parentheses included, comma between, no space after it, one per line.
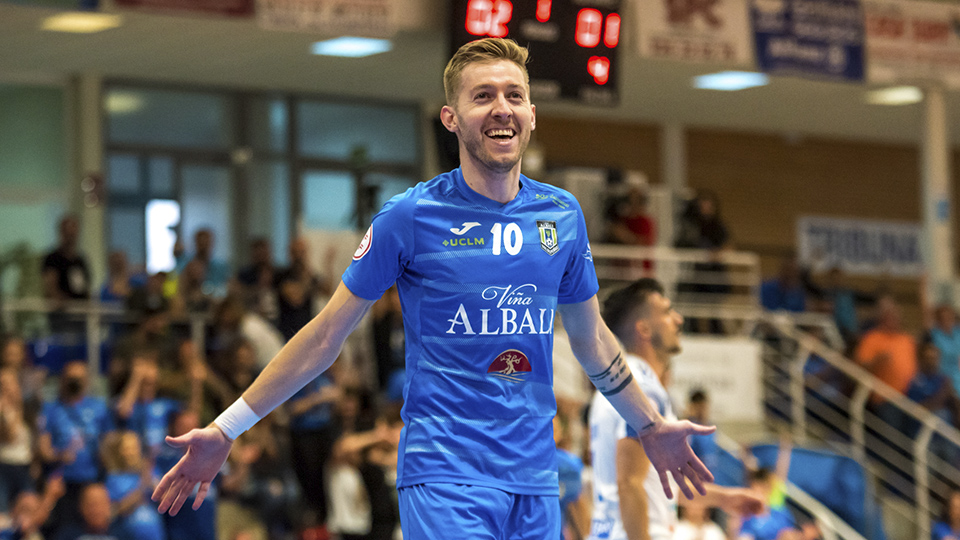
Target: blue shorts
(445,511)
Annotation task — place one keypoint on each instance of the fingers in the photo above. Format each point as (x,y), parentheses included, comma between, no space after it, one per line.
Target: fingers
(201,494)
(699,468)
(185,492)
(697,429)
(682,483)
(181,441)
(665,482)
(171,495)
(688,471)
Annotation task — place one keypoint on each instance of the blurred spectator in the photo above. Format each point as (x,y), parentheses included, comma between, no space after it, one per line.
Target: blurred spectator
(378,469)
(313,433)
(192,295)
(890,354)
(695,523)
(930,387)
(786,291)
(297,289)
(66,276)
(388,339)
(180,260)
(776,523)
(842,300)
(233,321)
(152,336)
(702,227)
(698,412)
(129,481)
(16,441)
(941,322)
(569,472)
(631,222)
(237,367)
(194,382)
(948,527)
(216,272)
(30,511)
(199,524)
(139,409)
(148,297)
(14,355)
(118,285)
(256,280)
(95,518)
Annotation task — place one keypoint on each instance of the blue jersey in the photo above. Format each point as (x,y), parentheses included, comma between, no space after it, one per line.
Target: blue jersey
(78,427)
(479,283)
(144,522)
(149,420)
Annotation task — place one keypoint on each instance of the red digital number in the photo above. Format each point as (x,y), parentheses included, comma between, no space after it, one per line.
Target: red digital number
(543,10)
(589,26)
(599,68)
(488,17)
(611,34)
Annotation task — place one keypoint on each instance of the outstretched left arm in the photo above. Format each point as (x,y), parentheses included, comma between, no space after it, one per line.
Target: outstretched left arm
(665,442)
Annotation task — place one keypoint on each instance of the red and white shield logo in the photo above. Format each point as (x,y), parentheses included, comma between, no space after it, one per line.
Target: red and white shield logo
(364,246)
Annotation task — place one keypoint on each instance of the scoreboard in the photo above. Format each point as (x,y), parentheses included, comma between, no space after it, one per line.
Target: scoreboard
(573,43)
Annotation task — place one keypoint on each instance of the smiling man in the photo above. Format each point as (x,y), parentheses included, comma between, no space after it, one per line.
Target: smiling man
(483,258)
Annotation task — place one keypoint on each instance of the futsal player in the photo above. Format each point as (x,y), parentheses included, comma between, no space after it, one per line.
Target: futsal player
(628,501)
(484,258)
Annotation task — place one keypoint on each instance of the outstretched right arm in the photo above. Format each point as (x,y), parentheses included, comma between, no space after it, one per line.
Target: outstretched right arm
(308,354)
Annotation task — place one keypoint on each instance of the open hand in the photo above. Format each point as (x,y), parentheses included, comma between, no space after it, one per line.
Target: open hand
(207,450)
(667,448)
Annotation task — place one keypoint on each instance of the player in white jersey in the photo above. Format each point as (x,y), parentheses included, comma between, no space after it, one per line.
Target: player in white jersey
(628,502)
(485,294)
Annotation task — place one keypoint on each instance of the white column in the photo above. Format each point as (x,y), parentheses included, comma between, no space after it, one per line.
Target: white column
(936,196)
(673,159)
(87,141)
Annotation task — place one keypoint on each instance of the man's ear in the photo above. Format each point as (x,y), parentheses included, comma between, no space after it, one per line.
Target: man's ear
(533,117)
(449,119)
(643,329)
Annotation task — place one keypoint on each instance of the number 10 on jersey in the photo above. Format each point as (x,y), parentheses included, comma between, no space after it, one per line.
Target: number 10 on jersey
(508,237)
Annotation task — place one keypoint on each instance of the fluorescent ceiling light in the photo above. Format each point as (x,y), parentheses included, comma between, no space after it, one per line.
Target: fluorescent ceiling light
(895,95)
(119,102)
(80,22)
(351,47)
(730,80)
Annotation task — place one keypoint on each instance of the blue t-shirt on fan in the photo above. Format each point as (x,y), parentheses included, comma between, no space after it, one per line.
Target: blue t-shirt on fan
(479,284)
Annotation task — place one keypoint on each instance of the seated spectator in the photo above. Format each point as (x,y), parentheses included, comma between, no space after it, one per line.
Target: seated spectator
(95,518)
(388,337)
(118,286)
(16,442)
(191,297)
(941,322)
(890,354)
(216,273)
(930,387)
(139,410)
(30,511)
(256,280)
(189,524)
(777,523)
(698,412)
(70,431)
(234,321)
(695,523)
(14,355)
(786,291)
(948,526)
(66,277)
(630,221)
(298,288)
(842,300)
(130,481)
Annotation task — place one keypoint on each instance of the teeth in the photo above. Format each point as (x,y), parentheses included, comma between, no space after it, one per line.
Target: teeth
(500,133)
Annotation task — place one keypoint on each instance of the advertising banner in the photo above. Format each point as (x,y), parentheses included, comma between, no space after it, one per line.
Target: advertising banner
(222,7)
(821,39)
(864,247)
(728,369)
(362,18)
(909,41)
(696,31)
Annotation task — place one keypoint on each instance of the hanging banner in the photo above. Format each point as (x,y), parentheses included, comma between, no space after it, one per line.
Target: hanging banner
(913,41)
(221,7)
(361,18)
(820,39)
(860,246)
(727,369)
(714,31)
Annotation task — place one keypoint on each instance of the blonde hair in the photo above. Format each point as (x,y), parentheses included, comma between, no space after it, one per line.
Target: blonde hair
(482,50)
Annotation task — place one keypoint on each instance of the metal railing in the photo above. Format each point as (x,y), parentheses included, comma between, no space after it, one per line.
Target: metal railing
(909,451)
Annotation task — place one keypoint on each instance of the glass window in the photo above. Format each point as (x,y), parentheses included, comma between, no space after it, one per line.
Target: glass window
(123,173)
(390,185)
(162,218)
(268,121)
(160,176)
(127,233)
(205,203)
(336,131)
(329,200)
(268,205)
(169,118)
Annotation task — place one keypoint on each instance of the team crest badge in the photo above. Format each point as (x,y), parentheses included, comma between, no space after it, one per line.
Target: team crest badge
(549,241)
(510,365)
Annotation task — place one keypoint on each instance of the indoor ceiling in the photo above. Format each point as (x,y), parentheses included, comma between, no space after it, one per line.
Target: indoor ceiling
(235,53)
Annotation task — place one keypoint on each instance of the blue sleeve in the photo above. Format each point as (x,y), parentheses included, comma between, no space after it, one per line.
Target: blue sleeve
(579,282)
(384,252)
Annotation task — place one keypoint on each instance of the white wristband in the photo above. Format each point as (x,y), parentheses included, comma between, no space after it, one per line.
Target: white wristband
(238,418)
